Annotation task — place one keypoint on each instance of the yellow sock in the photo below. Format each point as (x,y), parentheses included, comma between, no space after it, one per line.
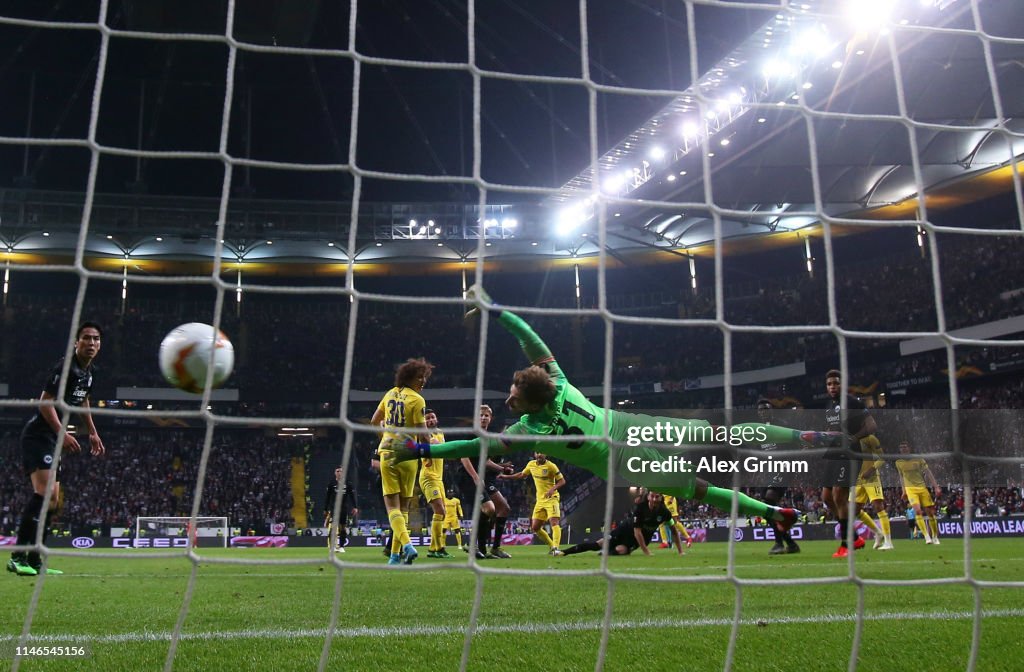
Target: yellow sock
(556,535)
(883,522)
(399,531)
(542,534)
(458,538)
(866,519)
(436,534)
(933,525)
(681,529)
(921,527)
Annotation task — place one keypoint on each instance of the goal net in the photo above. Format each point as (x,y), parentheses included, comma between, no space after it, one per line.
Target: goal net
(201,531)
(696,203)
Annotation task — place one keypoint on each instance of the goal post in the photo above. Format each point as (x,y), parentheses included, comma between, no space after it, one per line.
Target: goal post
(215,527)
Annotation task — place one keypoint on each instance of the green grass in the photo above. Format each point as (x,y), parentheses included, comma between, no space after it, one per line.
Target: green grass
(275,617)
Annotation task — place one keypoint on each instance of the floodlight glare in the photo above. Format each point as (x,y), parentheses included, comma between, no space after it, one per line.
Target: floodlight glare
(613,183)
(671,178)
(869,15)
(657,153)
(812,42)
(509,223)
(776,68)
(569,219)
(690,129)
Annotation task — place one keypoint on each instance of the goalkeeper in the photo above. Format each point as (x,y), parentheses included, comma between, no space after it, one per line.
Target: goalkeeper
(551,406)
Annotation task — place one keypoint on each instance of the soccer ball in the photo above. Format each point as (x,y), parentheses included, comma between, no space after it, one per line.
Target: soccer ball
(185,355)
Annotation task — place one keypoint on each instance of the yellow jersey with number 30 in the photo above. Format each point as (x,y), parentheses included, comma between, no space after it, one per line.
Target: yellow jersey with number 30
(402,408)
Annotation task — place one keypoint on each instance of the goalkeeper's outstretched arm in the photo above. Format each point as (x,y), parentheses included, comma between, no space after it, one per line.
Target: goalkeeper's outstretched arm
(533,346)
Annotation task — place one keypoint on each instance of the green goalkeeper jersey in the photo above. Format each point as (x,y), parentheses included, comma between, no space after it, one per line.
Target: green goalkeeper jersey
(571,415)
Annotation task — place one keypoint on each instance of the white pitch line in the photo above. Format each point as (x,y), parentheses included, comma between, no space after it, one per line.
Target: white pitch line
(511,628)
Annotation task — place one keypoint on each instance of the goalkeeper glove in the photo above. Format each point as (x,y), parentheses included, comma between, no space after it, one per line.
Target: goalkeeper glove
(476,292)
(410,450)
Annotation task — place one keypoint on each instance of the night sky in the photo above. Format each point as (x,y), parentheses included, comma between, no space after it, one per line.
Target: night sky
(297,108)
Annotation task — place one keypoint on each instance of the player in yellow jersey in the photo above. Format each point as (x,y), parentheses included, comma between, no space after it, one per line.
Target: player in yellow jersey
(547,479)
(398,414)
(914,471)
(676,524)
(452,518)
(869,490)
(432,486)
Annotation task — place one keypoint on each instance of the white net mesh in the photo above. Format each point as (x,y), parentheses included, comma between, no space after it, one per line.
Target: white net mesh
(894,43)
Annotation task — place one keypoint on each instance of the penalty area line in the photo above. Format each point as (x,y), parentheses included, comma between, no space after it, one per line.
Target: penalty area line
(510,628)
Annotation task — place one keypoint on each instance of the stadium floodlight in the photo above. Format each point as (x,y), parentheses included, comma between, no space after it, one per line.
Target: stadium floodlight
(412,223)
(690,129)
(671,178)
(657,153)
(569,219)
(812,42)
(613,183)
(509,223)
(869,15)
(777,68)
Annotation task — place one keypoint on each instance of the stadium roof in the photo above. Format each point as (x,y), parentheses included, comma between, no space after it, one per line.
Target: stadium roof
(741,134)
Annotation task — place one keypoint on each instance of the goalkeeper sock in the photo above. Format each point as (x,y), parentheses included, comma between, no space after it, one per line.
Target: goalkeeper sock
(921,526)
(933,525)
(543,536)
(556,535)
(721,498)
(436,535)
(458,538)
(866,519)
(499,529)
(585,546)
(400,533)
(883,522)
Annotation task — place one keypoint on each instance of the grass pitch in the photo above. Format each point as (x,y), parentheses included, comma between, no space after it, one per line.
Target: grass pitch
(259,615)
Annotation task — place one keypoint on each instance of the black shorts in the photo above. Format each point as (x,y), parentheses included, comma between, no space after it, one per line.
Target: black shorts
(490,486)
(839,472)
(623,536)
(37,452)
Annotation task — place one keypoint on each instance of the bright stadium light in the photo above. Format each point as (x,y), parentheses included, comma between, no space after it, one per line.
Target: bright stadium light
(671,178)
(569,219)
(613,183)
(690,130)
(812,42)
(657,153)
(869,15)
(510,223)
(776,68)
